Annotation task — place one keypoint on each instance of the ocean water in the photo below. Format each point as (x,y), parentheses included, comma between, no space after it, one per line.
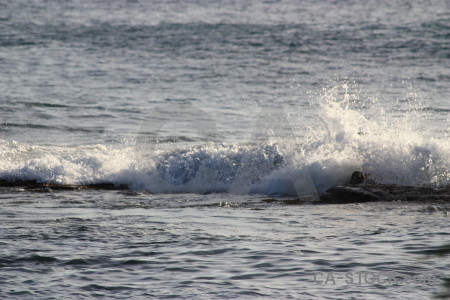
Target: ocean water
(207,111)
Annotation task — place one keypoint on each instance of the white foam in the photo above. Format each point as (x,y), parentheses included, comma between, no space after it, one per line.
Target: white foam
(392,150)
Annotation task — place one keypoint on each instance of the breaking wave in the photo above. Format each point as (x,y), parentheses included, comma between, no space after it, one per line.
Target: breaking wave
(392,149)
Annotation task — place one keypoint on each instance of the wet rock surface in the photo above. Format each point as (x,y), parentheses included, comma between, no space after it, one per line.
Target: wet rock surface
(383,192)
(365,190)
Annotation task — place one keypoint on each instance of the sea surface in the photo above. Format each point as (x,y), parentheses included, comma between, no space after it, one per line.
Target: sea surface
(208,112)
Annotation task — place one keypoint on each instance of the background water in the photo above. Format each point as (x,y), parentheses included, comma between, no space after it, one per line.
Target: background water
(251,99)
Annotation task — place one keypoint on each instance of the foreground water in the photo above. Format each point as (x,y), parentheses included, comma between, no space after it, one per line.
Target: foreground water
(119,245)
(208,111)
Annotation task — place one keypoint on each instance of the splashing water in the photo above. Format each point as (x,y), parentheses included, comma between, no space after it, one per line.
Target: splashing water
(352,133)
(391,148)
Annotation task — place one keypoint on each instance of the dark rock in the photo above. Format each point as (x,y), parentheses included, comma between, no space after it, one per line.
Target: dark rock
(348,194)
(35,186)
(358,177)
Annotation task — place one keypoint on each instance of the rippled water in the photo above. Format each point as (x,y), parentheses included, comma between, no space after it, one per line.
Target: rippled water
(209,111)
(119,245)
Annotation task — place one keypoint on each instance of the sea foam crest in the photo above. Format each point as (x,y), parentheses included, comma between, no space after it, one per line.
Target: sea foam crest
(393,149)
